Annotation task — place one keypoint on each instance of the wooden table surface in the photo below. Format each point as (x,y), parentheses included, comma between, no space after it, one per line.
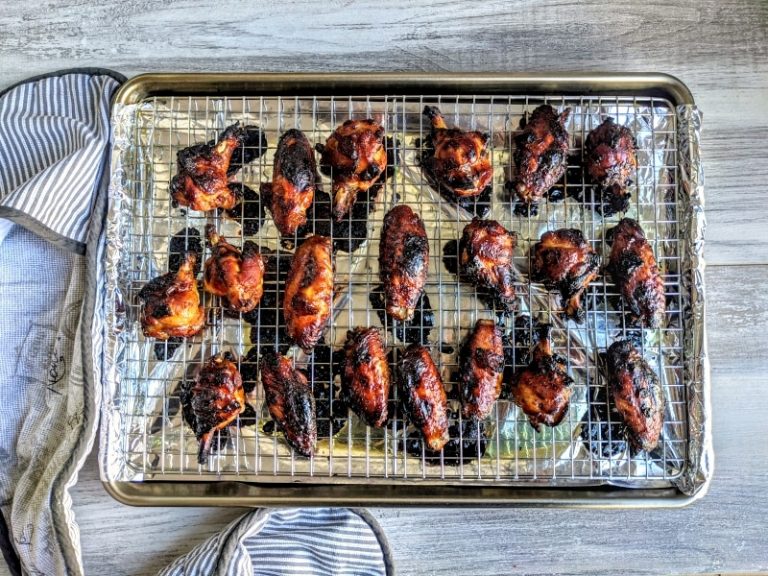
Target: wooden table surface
(719,48)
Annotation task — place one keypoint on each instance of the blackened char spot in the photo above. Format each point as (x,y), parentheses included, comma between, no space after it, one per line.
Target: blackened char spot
(251,209)
(417,329)
(603,438)
(347,235)
(460,449)
(322,369)
(451,256)
(186,240)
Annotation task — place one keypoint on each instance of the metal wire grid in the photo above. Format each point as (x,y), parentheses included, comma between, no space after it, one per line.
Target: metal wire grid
(157,444)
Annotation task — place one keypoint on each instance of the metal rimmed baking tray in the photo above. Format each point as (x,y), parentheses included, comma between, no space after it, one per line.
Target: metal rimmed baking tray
(147,452)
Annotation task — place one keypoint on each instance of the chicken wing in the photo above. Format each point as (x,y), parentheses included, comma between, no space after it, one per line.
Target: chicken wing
(610,160)
(486,251)
(308,292)
(365,378)
(290,402)
(541,154)
(356,156)
(543,389)
(481,369)
(423,395)
(403,261)
(637,395)
(172,305)
(563,260)
(456,159)
(634,270)
(235,275)
(213,401)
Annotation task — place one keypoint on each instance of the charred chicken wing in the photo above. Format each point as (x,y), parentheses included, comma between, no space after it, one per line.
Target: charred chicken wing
(486,251)
(294,176)
(308,292)
(481,369)
(637,395)
(365,377)
(461,161)
(541,154)
(357,158)
(214,401)
(172,305)
(611,161)
(237,276)
(423,394)
(542,389)
(563,260)
(290,402)
(403,261)
(634,270)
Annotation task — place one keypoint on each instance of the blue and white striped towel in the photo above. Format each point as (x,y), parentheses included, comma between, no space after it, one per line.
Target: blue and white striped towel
(54,148)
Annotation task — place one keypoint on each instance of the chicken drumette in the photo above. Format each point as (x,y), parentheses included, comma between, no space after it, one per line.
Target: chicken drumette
(423,396)
(235,275)
(290,402)
(543,388)
(456,159)
(637,395)
(213,401)
(356,156)
(294,176)
(634,270)
(486,251)
(563,260)
(481,370)
(541,155)
(610,160)
(308,292)
(403,261)
(172,307)
(365,377)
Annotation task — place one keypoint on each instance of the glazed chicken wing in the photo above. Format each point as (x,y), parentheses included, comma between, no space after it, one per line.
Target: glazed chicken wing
(543,388)
(213,401)
(610,160)
(308,292)
(634,270)
(637,395)
(235,275)
(563,260)
(423,394)
(541,154)
(486,251)
(290,402)
(403,261)
(293,185)
(461,161)
(365,378)
(481,369)
(356,156)
(172,307)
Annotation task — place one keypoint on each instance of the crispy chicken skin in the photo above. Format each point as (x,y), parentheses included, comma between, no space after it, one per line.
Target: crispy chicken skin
(481,369)
(172,307)
(611,160)
(541,153)
(542,389)
(486,251)
(365,377)
(637,395)
(294,177)
(308,292)
(461,161)
(403,261)
(634,270)
(563,260)
(357,157)
(201,181)
(235,275)
(423,395)
(290,402)
(214,401)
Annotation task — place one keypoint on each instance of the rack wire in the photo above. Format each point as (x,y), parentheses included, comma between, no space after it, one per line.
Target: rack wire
(586,448)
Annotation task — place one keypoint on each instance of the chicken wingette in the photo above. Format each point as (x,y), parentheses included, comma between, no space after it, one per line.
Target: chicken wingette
(365,378)
(480,370)
(486,252)
(611,160)
(235,275)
